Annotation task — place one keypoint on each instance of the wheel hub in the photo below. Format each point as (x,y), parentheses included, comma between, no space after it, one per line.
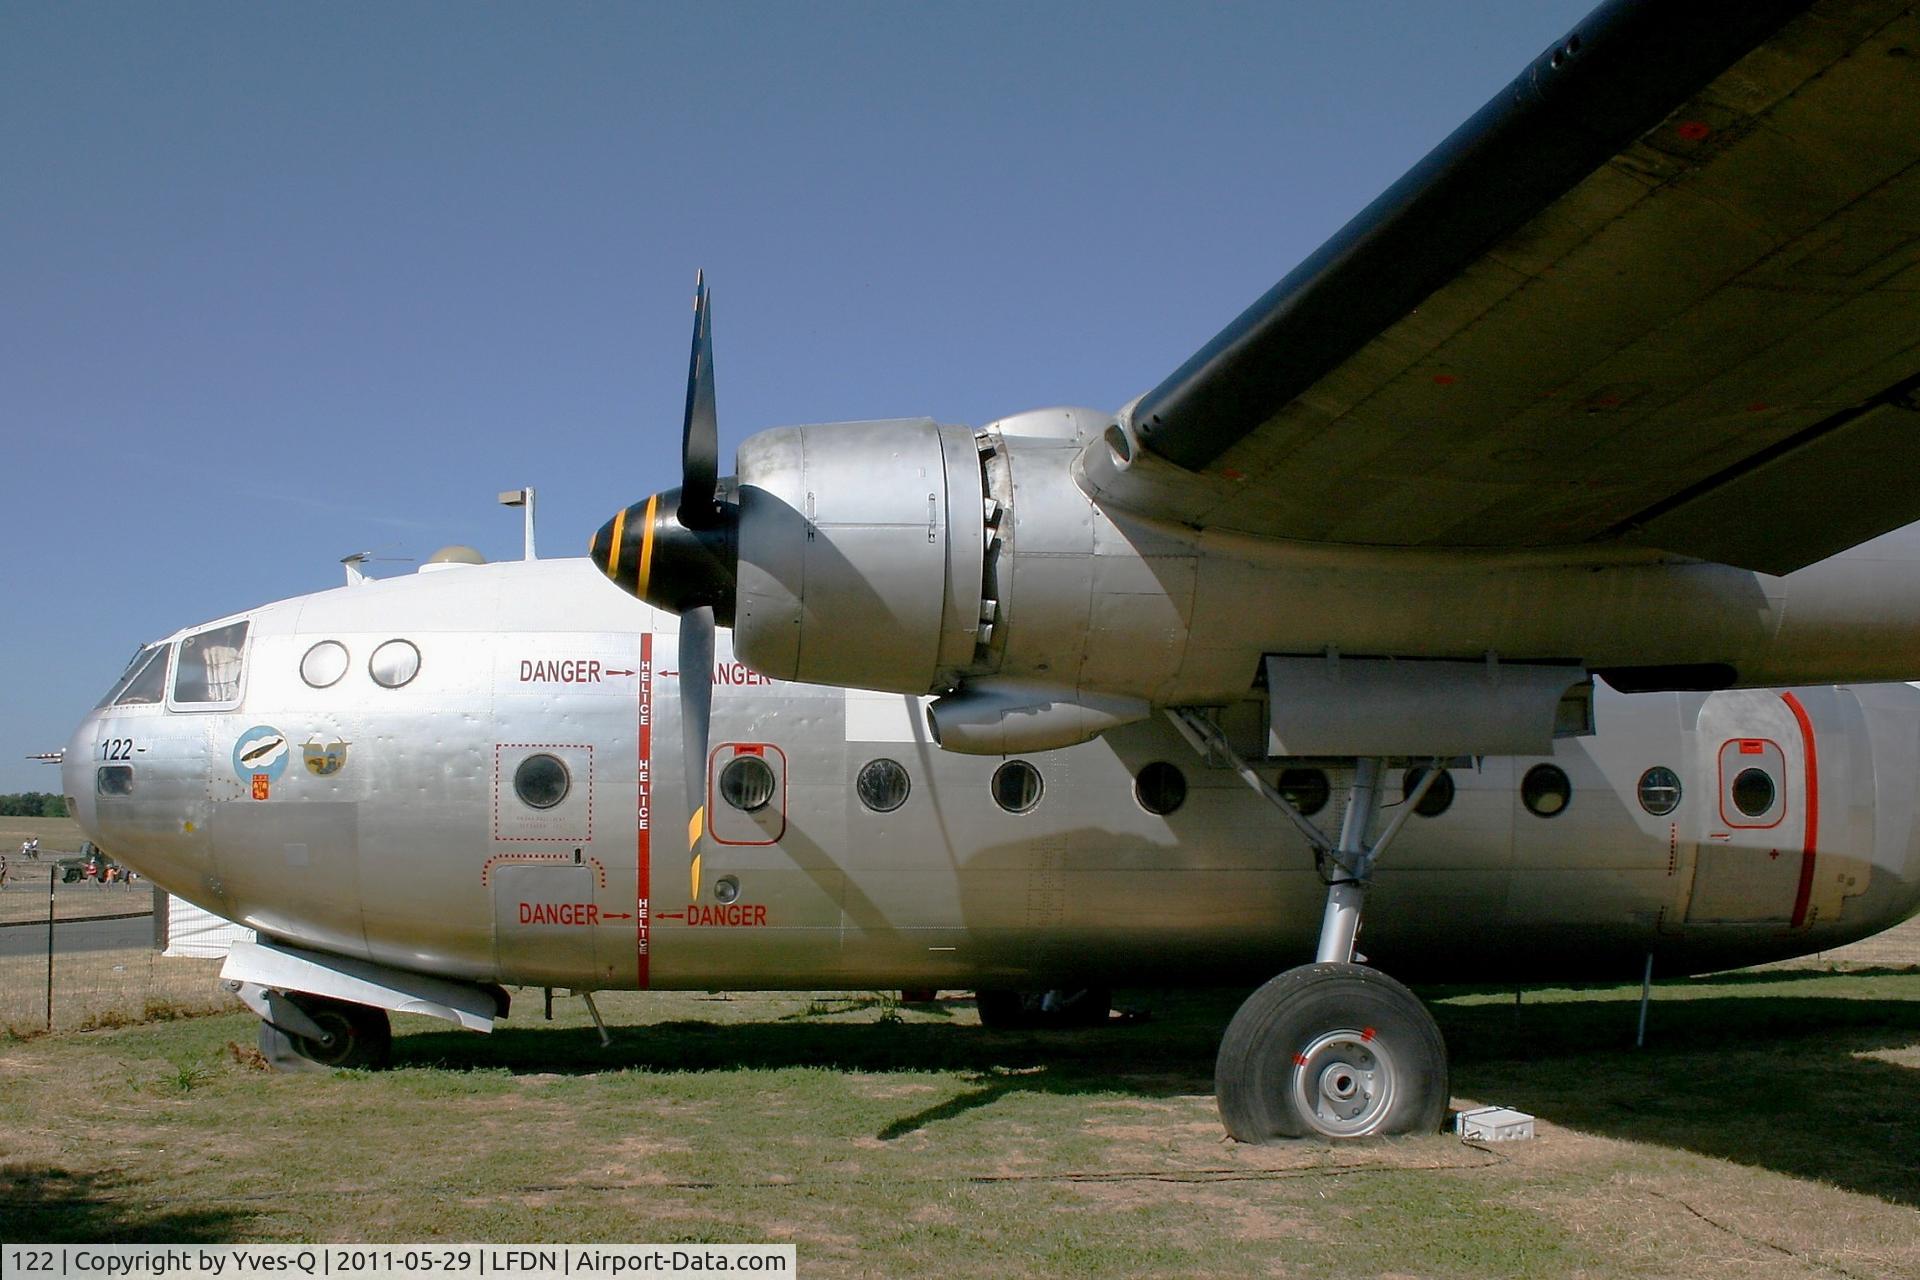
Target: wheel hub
(1343,1083)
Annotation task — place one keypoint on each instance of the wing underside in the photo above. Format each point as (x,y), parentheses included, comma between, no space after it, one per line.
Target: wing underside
(1664,290)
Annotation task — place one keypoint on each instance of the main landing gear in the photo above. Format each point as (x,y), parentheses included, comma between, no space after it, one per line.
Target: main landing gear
(1331,1049)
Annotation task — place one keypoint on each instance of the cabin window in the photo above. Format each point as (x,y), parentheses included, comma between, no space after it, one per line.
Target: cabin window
(1659,791)
(208,668)
(143,683)
(113,780)
(1546,791)
(882,785)
(747,783)
(1753,792)
(1016,786)
(1160,788)
(1307,790)
(394,663)
(1439,797)
(541,781)
(324,664)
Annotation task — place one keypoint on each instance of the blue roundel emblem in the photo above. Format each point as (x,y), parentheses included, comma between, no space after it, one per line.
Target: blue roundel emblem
(261,749)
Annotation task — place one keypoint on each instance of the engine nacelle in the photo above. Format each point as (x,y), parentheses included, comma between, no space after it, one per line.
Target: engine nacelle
(996,717)
(861,554)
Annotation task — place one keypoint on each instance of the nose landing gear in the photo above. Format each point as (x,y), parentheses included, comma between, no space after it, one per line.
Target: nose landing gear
(350,1035)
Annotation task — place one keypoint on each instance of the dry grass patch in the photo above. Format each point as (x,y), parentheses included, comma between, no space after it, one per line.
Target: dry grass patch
(930,1148)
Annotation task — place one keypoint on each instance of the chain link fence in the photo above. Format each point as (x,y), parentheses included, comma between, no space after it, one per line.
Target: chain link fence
(76,954)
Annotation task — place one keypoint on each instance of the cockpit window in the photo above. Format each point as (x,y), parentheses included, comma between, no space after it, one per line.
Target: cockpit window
(208,670)
(143,682)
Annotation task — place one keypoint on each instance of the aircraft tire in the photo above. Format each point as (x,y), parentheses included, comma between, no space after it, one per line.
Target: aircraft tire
(1332,1052)
(359,1036)
(1029,1011)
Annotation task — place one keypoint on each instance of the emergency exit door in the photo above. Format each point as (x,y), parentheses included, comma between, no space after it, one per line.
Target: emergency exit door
(1756,826)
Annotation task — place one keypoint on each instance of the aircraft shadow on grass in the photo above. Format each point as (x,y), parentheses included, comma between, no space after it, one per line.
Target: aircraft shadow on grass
(47,1204)
(1788,1083)
(1780,1082)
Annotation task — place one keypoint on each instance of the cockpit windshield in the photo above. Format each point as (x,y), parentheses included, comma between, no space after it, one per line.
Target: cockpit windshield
(209,665)
(143,682)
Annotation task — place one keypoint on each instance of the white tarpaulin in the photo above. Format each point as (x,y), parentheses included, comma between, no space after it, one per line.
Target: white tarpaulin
(193,932)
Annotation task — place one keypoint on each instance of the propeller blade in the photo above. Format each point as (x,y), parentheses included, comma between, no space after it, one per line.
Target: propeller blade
(696,709)
(700,434)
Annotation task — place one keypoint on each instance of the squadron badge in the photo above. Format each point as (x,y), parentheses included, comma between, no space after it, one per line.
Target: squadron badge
(323,759)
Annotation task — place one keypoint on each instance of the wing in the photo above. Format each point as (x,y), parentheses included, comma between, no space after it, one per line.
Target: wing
(1663,289)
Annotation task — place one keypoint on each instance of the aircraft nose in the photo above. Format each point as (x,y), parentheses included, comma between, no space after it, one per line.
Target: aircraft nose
(144,802)
(76,776)
(647,551)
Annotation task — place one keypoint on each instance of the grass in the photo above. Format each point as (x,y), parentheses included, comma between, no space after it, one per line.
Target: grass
(1767,1129)
(56,835)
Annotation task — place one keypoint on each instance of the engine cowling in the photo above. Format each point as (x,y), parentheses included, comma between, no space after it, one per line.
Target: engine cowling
(913,557)
(861,553)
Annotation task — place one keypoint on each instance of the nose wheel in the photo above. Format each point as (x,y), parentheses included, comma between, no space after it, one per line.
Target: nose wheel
(1331,1051)
(352,1035)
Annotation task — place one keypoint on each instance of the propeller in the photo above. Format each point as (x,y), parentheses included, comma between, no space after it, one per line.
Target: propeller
(700,433)
(678,551)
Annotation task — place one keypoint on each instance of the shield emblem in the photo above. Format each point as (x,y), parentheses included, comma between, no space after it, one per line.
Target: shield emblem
(324,759)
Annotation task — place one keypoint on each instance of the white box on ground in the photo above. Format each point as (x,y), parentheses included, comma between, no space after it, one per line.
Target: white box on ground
(1495,1124)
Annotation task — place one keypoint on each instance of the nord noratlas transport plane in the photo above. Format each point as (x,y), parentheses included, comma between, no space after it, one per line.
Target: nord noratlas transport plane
(1613,391)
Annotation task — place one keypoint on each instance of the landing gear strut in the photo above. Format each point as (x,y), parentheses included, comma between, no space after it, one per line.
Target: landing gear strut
(1331,1049)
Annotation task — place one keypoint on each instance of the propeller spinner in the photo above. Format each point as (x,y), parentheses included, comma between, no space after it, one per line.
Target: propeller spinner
(678,551)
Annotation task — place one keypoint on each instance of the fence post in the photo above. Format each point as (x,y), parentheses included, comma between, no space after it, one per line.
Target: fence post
(53,878)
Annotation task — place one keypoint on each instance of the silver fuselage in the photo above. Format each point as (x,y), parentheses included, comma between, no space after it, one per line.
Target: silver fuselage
(388,826)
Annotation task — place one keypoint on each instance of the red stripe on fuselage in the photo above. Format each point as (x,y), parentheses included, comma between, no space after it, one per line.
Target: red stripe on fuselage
(1810,843)
(643,816)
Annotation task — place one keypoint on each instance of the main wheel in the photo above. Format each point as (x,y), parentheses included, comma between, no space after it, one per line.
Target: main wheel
(1043,1010)
(358,1035)
(1331,1051)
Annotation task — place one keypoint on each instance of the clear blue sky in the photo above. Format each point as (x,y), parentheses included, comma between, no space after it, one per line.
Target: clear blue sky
(283,282)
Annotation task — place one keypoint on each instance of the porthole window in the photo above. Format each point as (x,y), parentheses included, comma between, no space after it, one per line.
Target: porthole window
(1439,797)
(324,664)
(1546,791)
(882,785)
(1753,792)
(541,781)
(1305,789)
(1016,786)
(1659,791)
(746,783)
(113,780)
(1160,788)
(394,663)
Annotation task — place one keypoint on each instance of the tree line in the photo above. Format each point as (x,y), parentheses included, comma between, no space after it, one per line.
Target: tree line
(32,804)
